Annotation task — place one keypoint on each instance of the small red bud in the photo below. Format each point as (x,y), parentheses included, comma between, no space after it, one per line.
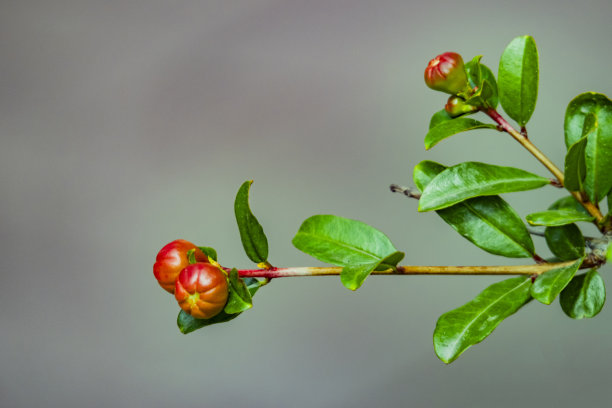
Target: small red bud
(172,259)
(446,73)
(201,290)
(456,106)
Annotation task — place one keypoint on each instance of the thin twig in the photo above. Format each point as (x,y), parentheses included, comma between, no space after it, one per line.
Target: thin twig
(408,192)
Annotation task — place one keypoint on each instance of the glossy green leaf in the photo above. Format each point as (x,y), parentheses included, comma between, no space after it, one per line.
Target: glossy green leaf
(549,284)
(478,73)
(582,106)
(566,241)
(488,222)
(474,179)
(239,298)
(187,323)
(518,78)
(210,252)
(353,276)
(568,203)
(584,297)
(554,218)
(439,117)
(452,127)
(345,242)
(253,238)
(461,328)
(575,166)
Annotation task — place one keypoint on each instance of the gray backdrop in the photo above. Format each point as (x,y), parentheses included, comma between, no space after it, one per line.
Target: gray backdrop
(127,124)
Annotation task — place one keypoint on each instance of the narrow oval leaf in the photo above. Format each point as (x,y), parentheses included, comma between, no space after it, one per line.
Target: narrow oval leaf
(575,166)
(239,298)
(187,323)
(598,161)
(253,238)
(451,127)
(554,218)
(549,284)
(584,297)
(439,117)
(580,108)
(342,241)
(474,179)
(488,222)
(568,203)
(461,328)
(518,78)
(566,241)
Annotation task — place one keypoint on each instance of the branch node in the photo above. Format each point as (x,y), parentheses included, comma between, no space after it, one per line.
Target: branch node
(408,192)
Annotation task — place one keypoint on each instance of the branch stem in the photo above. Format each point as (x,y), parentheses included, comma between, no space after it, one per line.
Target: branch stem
(536,269)
(526,143)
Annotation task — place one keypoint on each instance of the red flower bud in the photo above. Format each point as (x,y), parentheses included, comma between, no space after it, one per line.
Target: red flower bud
(446,73)
(456,106)
(172,259)
(201,290)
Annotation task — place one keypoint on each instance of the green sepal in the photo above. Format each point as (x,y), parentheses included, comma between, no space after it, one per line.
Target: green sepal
(210,252)
(239,298)
(191,256)
(490,223)
(548,285)
(452,127)
(518,79)
(187,323)
(584,296)
(474,179)
(352,244)
(471,323)
(555,218)
(565,242)
(252,235)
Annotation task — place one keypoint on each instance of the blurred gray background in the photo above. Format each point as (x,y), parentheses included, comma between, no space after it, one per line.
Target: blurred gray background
(127,124)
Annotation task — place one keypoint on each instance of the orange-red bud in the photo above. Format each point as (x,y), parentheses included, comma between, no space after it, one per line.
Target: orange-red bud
(202,290)
(446,73)
(172,259)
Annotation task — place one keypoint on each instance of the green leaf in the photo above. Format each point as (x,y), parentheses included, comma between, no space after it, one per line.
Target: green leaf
(461,328)
(253,238)
(518,79)
(478,73)
(451,127)
(549,284)
(210,252)
(554,218)
(239,298)
(439,117)
(575,166)
(187,323)
(566,241)
(582,106)
(355,245)
(488,222)
(474,179)
(353,276)
(568,203)
(585,296)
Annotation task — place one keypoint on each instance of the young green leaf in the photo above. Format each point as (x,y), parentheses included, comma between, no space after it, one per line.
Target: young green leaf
(239,298)
(554,218)
(549,284)
(565,241)
(340,241)
(210,252)
(568,203)
(439,117)
(187,323)
(253,238)
(488,222)
(474,179)
(461,328)
(451,127)
(584,297)
(575,166)
(478,74)
(518,79)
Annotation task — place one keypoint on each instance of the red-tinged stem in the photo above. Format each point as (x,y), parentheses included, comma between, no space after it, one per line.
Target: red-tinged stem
(526,143)
(406,270)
